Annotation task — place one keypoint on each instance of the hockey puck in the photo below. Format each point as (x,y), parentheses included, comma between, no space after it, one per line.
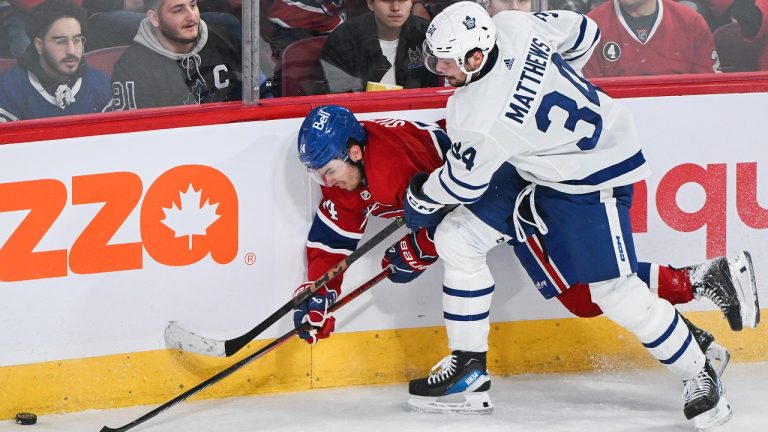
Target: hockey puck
(26,418)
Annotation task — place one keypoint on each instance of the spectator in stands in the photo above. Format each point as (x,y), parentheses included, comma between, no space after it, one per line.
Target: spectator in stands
(13,34)
(296,20)
(292,20)
(580,6)
(650,37)
(747,13)
(381,46)
(51,78)
(495,6)
(751,17)
(13,20)
(115,22)
(427,9)
(177,59)
(739,33)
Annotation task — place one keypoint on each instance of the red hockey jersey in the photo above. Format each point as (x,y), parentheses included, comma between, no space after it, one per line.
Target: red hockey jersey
(395,151)
(679,42)
(309,15)
(28,5)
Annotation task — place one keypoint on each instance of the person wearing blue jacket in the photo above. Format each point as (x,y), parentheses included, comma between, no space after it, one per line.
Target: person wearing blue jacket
(52,77)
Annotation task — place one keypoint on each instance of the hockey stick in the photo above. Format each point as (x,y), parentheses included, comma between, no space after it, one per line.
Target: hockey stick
(178,337)
(231,369)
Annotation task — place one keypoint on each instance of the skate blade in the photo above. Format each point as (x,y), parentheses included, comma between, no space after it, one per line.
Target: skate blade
(717,416)
(746,288)
(718,357)
(463,403)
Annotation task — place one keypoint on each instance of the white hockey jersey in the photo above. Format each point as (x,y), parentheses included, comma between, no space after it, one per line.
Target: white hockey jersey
(534,110)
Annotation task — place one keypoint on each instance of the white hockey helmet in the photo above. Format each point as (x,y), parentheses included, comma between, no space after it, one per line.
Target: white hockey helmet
(457,30)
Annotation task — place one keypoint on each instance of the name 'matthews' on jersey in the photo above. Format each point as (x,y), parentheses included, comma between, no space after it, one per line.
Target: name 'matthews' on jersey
(529,84)
(535,110)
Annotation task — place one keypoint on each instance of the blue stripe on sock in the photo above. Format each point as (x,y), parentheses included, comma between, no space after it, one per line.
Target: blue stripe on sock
(680,351)
(468,294)
(455,317)
(665,335)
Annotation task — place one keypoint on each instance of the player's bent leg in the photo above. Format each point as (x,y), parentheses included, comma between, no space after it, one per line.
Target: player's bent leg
(671,284)
(730,284)
(578,301)
(627,301)
(463,242)
(459,382)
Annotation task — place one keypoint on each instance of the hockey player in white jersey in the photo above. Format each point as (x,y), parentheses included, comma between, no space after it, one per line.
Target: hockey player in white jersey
(538,150)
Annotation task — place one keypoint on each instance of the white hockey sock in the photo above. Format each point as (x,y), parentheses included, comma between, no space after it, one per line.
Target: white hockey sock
(466,310)
(655,322)
(463,241)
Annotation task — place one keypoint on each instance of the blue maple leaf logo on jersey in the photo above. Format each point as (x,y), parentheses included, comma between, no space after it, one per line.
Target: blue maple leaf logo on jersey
(469,23)
(414,58)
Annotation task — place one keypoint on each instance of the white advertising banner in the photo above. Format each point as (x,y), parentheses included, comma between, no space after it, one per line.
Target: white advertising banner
(105,239)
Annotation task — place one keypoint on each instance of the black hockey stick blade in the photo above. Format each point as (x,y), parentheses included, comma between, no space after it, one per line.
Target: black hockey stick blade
(251,357)
(178,337)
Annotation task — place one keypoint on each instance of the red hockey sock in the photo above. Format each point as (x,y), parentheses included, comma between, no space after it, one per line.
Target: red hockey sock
(675,285)
(578,300)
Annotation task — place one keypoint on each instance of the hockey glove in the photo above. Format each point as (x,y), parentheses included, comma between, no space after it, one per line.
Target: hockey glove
(314,311)
(410,256)
(419,210)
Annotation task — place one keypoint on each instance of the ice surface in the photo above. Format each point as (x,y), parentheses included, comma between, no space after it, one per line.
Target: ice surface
(612,401)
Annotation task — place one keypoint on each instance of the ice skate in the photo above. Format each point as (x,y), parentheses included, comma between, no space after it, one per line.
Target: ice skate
(703,400)
(457,383)
(729,284)
(717,354)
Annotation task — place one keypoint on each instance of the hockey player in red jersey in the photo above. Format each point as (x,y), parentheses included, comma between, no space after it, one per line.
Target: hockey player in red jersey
(650,37)
(364,169)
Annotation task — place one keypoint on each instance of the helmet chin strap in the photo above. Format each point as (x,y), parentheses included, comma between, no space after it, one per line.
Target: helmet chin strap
(469,76)
(489,59)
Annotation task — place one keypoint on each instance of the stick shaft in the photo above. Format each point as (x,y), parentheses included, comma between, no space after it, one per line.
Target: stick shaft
(234,345)
(236,366)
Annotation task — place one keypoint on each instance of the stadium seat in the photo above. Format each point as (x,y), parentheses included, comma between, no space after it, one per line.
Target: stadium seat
(735,53)
(104,59)
(6,63)
(301,71)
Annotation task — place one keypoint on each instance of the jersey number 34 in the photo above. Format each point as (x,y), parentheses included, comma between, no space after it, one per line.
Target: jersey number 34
(571,107)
